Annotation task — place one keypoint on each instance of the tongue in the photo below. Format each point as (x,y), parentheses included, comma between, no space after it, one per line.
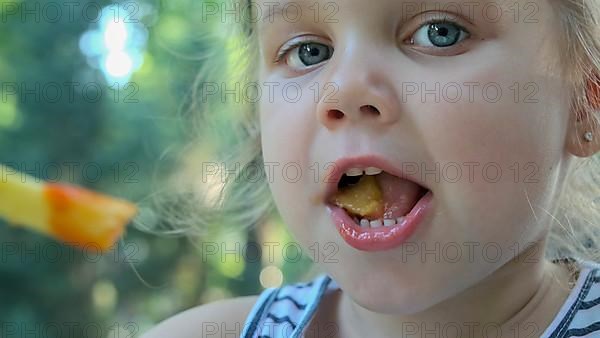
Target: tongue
(399,195)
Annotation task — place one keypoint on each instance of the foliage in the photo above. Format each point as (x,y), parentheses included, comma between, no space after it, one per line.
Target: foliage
(121,144)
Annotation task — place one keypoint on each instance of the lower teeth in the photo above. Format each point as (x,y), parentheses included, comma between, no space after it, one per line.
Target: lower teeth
(365,223)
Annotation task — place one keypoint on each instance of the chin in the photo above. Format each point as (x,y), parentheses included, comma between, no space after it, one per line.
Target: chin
(402,293)
(389,295)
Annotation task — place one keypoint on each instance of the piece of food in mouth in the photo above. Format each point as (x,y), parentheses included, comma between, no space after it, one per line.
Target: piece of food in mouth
(360,195)
(71,214)
(372,194)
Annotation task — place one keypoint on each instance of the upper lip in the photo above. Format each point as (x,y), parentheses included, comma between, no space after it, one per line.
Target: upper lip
(340,166)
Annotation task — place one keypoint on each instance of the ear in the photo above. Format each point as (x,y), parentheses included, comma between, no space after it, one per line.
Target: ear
(584,122)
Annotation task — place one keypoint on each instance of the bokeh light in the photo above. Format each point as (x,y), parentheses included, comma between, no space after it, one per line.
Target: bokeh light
(118,64)
(271,276)
(104,296)
(117,43)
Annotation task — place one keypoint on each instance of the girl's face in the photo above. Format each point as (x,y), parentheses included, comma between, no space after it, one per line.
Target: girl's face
(464,97)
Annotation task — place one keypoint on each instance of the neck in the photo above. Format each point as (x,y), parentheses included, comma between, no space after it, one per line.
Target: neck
(499,302)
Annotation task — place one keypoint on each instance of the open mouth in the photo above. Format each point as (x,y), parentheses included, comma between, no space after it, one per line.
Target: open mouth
(374,198)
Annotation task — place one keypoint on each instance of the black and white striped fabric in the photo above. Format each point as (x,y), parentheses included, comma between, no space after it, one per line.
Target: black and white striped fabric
(580,315)
(286,311)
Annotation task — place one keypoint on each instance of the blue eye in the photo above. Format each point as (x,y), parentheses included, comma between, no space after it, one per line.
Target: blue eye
(439,34)
(307,54)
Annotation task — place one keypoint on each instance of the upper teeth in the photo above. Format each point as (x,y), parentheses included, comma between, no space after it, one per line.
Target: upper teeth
(360,171)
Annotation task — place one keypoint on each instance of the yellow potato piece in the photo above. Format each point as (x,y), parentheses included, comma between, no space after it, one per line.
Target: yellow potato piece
(74,215)
(363,199)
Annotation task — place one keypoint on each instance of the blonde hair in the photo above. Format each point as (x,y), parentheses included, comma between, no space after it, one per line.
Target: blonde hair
(576,231)
(234,200)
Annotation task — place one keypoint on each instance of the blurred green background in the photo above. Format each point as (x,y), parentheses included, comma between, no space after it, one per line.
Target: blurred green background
(94,93)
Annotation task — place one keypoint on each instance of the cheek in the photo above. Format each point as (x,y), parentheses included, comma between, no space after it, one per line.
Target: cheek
(494,152)
(287,131)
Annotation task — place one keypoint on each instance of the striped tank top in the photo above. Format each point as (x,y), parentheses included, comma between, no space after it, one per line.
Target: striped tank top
(285,312)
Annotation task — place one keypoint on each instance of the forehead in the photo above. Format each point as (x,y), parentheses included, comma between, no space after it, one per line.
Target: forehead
(332,12)
(329,10)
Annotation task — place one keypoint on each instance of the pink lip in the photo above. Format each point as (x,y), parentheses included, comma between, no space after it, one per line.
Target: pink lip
(340,166)
(380,238)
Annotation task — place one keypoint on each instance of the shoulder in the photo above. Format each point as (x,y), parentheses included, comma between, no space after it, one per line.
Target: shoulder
(285,305)
(220,316)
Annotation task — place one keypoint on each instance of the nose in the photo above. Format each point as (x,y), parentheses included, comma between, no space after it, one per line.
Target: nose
(357,92)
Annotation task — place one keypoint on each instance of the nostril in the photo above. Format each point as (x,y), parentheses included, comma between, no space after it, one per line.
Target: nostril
(369,109)
(335,114)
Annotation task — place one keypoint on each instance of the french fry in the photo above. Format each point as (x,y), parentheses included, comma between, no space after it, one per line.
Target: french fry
(68,213)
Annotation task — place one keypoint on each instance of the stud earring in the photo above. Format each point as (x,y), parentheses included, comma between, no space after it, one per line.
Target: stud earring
(588,136)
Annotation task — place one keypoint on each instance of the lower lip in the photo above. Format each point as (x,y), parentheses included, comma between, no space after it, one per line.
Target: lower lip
(383,237)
